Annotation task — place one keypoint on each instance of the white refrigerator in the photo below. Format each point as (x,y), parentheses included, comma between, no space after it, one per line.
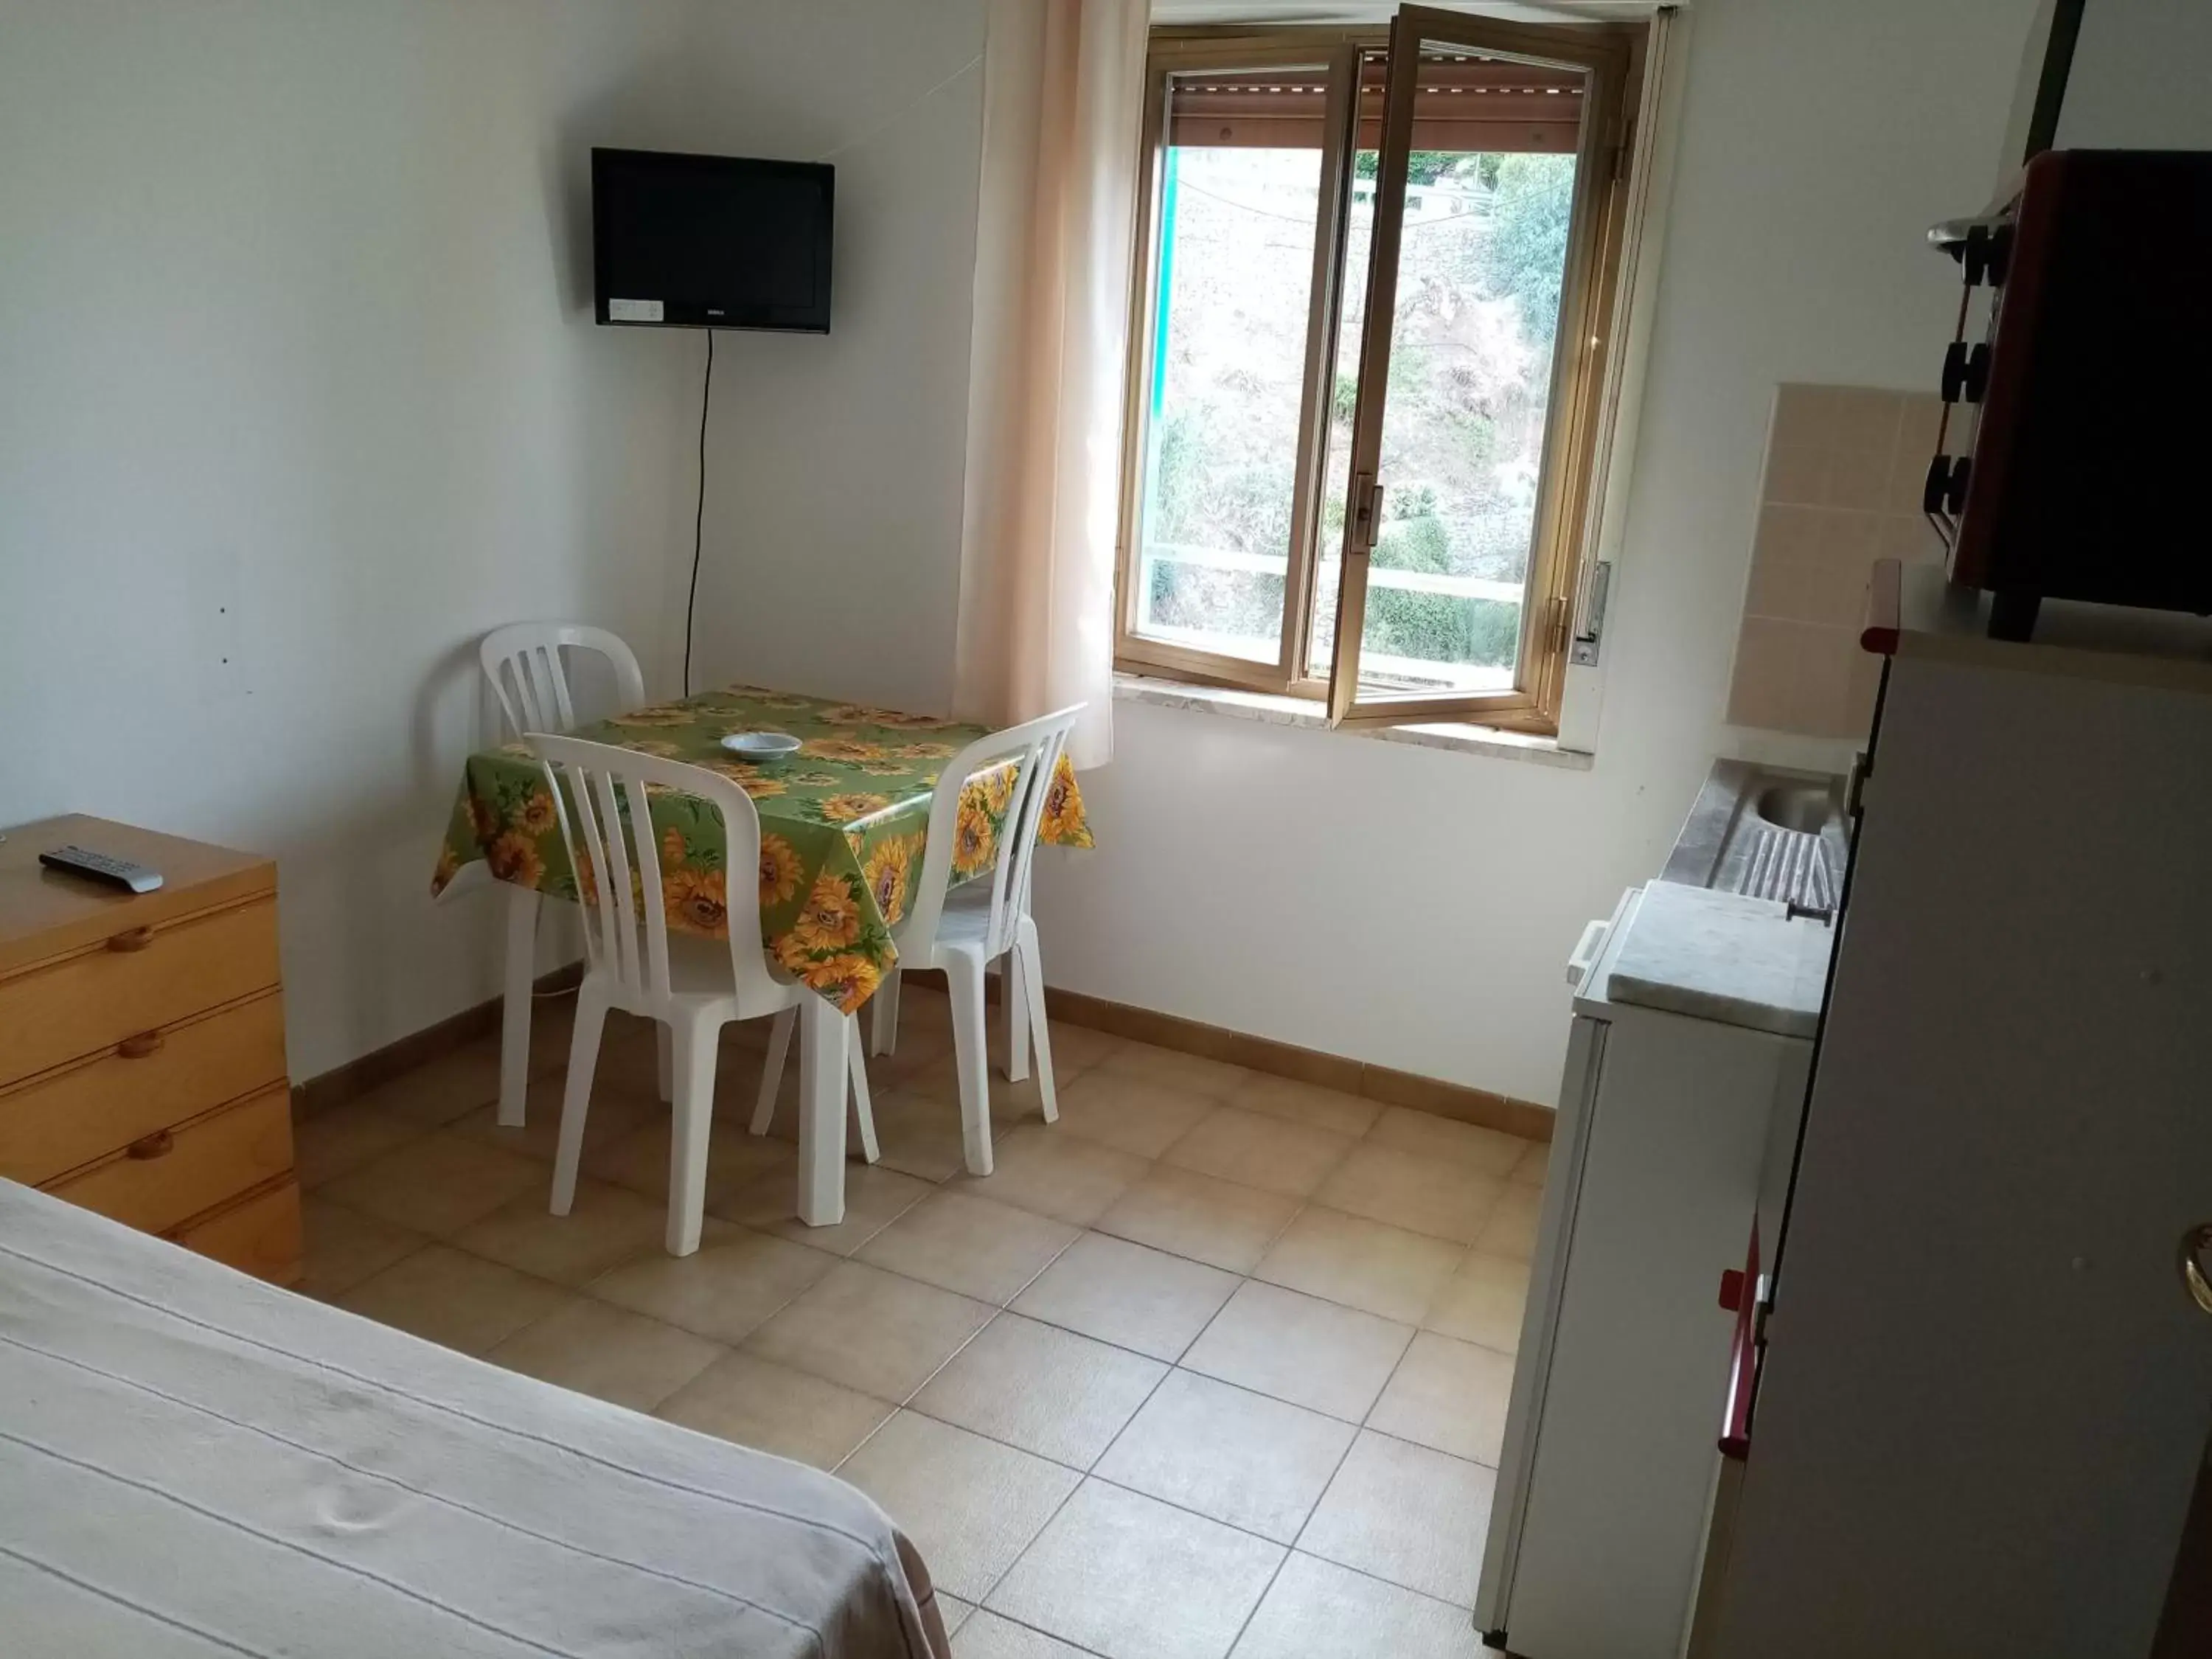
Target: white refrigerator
(1671,1126)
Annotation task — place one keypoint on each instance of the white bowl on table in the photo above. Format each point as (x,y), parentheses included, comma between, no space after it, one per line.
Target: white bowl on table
(761,747)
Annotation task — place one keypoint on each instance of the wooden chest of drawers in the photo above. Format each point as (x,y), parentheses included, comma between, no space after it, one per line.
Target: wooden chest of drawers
(142,1043)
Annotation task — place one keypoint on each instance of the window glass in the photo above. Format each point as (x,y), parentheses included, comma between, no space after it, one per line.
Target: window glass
(1482,260)
(1249,424)
(1234,281)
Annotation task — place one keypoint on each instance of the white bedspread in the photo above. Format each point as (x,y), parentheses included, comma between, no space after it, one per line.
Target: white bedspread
(195,1463)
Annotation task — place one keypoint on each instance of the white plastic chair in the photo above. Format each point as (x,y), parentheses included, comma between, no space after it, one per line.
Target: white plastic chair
(529,676)
(963,930)
(692,986)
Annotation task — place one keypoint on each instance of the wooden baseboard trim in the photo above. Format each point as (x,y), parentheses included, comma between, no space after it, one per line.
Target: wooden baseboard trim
(379,1066)
(1457,1101)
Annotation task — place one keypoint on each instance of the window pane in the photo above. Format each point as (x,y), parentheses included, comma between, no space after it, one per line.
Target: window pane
(1236,266)
(1480,266)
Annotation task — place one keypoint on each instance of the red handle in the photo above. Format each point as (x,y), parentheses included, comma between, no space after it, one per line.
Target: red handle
(1743,1353)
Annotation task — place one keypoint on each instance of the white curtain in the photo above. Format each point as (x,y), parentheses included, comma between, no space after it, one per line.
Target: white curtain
(1063,101)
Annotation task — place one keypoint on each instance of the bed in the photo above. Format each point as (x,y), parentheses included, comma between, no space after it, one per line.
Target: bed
(197,1463)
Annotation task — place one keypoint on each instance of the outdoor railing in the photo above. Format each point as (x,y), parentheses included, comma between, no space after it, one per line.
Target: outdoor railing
(1278,564)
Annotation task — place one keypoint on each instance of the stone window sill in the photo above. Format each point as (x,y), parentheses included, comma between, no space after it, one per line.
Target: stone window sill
(1270,710)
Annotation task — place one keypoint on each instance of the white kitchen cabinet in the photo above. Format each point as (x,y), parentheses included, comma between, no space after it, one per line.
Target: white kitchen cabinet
(1668,1126)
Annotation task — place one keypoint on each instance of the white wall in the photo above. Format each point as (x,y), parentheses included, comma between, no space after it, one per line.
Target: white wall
(292,319)
(1414,908)
(832,559)
(2142,77)
(297,369)
(293,325)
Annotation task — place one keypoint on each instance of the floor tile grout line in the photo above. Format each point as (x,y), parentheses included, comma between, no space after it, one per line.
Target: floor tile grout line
(1367,1417)
(1085,1471)
(1377,1579)
(1465,1250)
(1288,1550)
(1307,1523)
(1352,1141)
(1183,1353)
(1023,1624)
(1343,1457)
(1090,1469)
(908,1403)
(998,1306)
(1259,1602)
(1072,1075)
(1399,1440)
(1089,1472)
(409,1254)
(1185,1509)
(1022,1554)
(1087,1475)
(1170,1372)
(646,1252)
(1173,1366)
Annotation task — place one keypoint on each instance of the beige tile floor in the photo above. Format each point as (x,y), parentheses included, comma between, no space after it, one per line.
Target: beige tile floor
(1216,1365)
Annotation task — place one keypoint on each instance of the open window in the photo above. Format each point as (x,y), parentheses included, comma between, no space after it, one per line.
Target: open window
(1374,303)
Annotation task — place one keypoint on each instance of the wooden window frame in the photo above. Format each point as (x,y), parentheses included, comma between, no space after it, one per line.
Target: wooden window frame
(1612,56)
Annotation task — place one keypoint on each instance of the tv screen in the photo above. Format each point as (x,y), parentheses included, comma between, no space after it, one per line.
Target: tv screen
(710,241)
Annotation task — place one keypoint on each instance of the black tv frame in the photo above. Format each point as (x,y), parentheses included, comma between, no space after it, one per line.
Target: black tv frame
(814,319)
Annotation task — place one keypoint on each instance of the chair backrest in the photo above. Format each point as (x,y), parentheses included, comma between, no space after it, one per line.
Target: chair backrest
(523,663)
(1032,749)
(607,824)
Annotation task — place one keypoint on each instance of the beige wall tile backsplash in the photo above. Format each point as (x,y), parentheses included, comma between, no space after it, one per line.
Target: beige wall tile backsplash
(1841,489)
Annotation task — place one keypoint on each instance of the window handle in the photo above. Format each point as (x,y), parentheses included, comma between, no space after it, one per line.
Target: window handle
(1367,512)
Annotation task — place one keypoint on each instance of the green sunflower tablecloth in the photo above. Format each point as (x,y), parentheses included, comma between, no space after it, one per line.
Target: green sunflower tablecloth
(842,824)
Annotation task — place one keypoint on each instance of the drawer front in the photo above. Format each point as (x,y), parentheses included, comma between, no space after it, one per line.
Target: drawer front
(175,1174)
(259,1235)
(153,1081)
(139,980)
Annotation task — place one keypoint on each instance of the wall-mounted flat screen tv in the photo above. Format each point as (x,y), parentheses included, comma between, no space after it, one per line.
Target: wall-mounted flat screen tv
(710,241)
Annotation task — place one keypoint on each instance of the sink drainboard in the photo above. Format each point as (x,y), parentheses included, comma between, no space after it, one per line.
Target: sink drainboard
(1790,866)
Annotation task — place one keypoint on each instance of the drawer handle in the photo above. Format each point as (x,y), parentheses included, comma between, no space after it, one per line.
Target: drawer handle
(138,1046)
(160,1144)
(131,938)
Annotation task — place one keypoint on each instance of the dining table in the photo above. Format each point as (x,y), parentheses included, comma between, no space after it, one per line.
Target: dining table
(843,822)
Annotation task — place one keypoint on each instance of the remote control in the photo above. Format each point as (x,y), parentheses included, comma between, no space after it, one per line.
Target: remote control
(102,866)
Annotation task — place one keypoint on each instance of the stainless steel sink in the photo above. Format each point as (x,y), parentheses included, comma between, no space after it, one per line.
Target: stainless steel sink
(1800,808)
(1766,832)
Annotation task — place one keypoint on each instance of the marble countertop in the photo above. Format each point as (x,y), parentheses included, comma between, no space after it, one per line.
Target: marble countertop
(1722,957)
